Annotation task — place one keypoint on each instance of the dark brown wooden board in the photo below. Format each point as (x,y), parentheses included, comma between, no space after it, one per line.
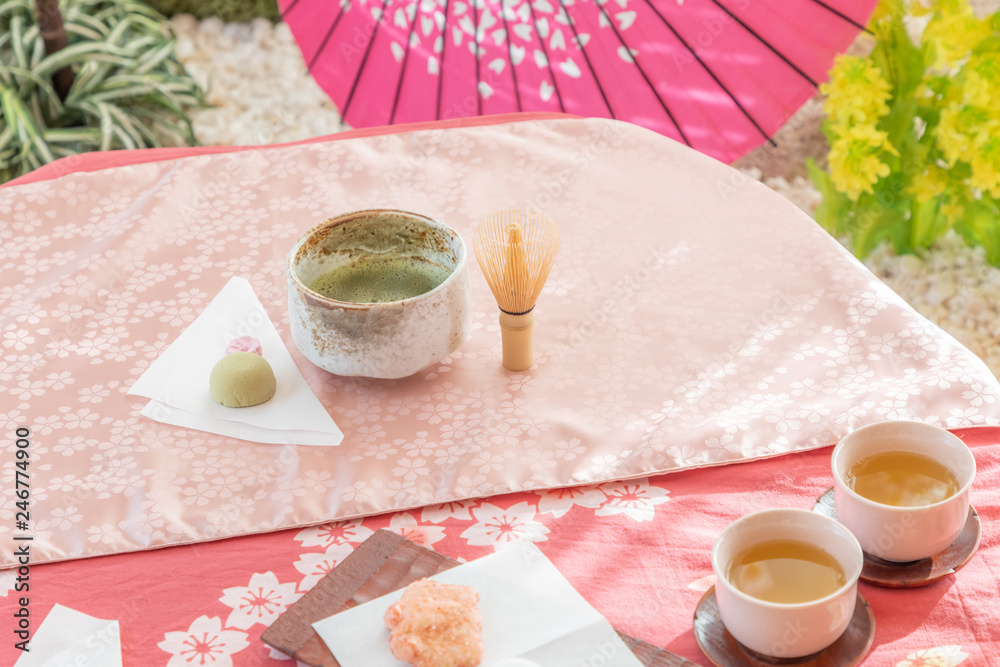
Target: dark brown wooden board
(381,564)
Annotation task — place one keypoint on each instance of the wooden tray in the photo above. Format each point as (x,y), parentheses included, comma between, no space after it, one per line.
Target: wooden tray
(381,564)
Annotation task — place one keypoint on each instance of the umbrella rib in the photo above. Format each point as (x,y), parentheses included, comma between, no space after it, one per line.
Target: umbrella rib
(326,38)
(475,54)
(842,15)
(406,58)
(708,69)
(364,59)
(586,59)
(444,49)
(288,9)
(548,61)
(510,57)
(768,44)
(635,61)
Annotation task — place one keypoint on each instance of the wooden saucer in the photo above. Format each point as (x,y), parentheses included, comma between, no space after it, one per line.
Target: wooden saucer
(722,649)
(921,572)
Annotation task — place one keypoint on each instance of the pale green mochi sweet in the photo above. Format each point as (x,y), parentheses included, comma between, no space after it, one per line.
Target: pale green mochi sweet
(242,379)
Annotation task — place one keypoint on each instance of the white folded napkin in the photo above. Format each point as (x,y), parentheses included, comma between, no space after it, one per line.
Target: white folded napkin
(177,382)
(531,616)
(67,638)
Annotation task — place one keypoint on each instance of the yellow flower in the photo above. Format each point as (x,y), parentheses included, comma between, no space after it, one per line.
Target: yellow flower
(982,81)
(986,161)
(929,183)
(856,92)
(952,212)
(854,160)
(953,32)
(956,129)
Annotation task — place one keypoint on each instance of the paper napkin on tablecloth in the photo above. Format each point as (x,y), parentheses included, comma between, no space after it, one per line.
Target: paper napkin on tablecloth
(528,608)
(177,382)
(67,638)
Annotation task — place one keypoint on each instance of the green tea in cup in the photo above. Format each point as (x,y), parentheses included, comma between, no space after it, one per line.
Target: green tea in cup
(901,479)
(786,572)
(380,280)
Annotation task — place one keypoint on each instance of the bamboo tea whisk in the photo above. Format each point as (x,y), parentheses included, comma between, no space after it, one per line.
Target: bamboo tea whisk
(516,250)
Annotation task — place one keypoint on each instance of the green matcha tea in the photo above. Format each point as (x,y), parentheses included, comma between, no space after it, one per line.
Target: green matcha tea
(377,280)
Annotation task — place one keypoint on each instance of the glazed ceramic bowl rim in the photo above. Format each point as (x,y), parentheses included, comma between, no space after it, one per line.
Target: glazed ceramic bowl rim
(851,578)
(838,475)
(371,212)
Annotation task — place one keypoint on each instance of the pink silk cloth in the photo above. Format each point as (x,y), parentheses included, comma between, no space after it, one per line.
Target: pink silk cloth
(693,318)
(638,551)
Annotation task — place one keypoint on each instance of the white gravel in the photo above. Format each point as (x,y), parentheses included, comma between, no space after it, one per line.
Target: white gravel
(255,77)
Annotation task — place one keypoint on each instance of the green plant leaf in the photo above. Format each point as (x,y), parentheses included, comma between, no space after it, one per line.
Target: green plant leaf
(876,223)
(830,214)
(85,135)
(82,52)
(989,45)
(901,62)
(898,123)
(926,224)
(983,218)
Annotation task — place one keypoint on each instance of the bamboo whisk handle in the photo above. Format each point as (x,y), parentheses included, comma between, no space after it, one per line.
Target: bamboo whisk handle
(517,334)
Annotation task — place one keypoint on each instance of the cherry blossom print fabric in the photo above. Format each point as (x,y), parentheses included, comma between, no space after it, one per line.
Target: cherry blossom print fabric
(693,318)
(638,551)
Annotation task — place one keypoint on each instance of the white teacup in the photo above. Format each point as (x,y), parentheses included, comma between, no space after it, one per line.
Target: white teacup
(786,630)
(903,534)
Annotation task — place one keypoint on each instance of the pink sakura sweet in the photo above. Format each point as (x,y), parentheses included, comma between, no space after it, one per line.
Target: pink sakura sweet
(245,344)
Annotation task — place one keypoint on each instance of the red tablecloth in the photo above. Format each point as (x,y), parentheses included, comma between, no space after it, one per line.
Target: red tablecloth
(637,551)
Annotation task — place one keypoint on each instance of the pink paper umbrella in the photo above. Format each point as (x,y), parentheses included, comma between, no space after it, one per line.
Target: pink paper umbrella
(720,75)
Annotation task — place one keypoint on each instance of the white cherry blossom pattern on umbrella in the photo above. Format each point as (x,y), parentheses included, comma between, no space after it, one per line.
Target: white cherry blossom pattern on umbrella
(939,656)
(205,644)
(260,602)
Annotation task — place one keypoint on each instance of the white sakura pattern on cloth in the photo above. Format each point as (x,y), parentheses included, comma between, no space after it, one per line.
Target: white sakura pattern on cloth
(500,528)
(731,329)
(939,656)
(406,525)
(703,584)
(315,566)
(8,580)
(260,602)
(637,500)
(495,526)
(204,643)
(333,534)
(559,501)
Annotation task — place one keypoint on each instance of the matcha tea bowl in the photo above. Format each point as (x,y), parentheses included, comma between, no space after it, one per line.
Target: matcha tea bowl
(378,293)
